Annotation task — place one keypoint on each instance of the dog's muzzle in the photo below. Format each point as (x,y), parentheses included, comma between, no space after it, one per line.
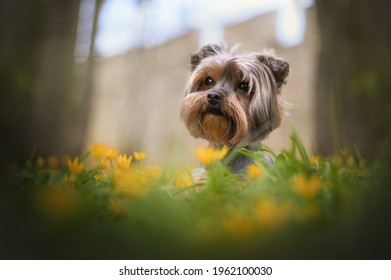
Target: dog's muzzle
(214,103)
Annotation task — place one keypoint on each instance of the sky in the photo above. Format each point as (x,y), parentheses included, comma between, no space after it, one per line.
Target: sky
(128,24)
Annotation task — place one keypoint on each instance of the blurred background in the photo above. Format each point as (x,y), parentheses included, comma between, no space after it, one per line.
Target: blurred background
(78,72)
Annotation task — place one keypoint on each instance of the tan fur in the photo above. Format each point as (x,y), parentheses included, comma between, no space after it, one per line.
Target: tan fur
(245,116)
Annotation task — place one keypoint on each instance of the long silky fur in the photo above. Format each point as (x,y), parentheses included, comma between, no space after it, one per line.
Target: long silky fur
(243,120)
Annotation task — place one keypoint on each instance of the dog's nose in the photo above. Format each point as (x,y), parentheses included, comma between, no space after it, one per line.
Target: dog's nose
(214,97)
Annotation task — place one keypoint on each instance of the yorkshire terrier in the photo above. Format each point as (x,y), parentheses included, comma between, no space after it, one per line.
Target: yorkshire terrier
(234,99)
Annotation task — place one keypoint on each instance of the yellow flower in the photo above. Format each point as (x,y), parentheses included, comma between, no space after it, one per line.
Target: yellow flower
(40,162)
(348,157)
(254,171)
(272,215)
(222,153)
(70,179)
(139,156)
(346,152)
(239,226)
(130,182)
(117,207)
(58,201)
(111,153)
(105,163)
(123,161)
(99,150)
(53,162)
(74,166)
(100,177)
(183,180)
(336,160)
(314,160)
(350,161)
(307,188)
(153,172)
(207,155)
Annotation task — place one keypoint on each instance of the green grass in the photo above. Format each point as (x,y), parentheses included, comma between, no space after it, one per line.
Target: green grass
(301,206)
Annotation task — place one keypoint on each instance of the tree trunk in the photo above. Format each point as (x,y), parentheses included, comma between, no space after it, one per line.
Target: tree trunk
(36,73)
(353,90)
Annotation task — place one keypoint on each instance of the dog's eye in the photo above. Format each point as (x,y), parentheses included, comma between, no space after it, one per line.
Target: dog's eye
(208,81)
(244,87)
(206,84)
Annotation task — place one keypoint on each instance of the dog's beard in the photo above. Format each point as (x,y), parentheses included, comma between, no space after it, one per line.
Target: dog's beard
(216,128)
(223,125)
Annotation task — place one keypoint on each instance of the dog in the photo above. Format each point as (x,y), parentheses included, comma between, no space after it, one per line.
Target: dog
(234,99)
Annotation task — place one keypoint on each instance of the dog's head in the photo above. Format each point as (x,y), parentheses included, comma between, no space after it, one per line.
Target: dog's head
(232,98)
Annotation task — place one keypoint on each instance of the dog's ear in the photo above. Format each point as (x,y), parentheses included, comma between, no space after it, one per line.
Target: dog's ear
(279,67)
(205,51)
